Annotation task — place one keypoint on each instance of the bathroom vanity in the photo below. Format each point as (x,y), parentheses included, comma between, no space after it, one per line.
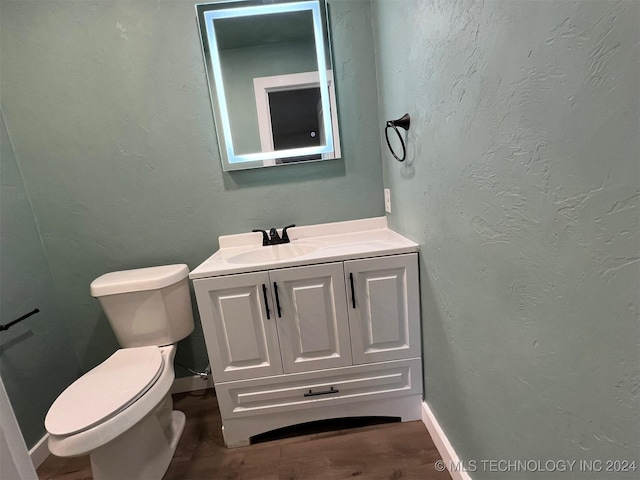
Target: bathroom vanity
(325,326)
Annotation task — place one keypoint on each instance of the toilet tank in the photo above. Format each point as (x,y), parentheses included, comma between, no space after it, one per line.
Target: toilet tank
(146,306)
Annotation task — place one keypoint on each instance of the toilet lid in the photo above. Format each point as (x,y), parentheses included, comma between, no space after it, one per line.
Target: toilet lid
(104,391)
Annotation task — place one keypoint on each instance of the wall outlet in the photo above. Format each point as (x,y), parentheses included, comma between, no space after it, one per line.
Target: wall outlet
(387,200)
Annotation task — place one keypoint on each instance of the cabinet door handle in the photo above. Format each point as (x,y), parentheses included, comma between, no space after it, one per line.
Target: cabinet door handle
(275,287)
(311,393)
(353,291)
(266,303)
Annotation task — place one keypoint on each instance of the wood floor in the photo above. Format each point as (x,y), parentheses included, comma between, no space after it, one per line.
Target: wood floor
(383,451)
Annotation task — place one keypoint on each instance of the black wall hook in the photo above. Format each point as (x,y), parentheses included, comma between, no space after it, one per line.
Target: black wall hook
(403,122)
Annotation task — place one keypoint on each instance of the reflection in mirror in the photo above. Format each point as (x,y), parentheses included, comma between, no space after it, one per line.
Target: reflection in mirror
(271,81)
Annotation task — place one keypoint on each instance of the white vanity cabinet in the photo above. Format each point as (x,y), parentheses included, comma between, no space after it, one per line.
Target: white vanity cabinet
(384,308)
(266,323)
(296,342)
(241,337)
(311,314)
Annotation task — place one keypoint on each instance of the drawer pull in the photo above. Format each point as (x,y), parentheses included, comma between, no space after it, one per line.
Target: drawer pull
(311,393)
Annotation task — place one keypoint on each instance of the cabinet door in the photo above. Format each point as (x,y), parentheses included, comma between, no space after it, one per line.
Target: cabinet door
(239,326)
(384,311)
(313,324)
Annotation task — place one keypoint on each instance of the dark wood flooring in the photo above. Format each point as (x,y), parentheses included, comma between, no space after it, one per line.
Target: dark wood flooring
(382,451)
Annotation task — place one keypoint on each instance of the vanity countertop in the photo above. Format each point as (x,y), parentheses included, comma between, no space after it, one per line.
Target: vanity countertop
(310,244)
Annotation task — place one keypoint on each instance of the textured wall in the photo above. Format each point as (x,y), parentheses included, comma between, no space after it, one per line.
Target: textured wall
(37,360)
(522,188)
(108,109)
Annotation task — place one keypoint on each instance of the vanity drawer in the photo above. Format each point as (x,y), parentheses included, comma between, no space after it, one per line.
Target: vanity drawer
(313,389)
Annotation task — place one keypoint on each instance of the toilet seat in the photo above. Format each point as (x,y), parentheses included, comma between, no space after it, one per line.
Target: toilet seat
(106,390)
(93,438)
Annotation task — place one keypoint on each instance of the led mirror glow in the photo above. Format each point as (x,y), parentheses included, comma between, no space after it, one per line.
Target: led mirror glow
(225,41)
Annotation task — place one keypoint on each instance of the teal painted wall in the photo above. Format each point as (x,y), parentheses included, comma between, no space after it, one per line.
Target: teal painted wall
(522,188)
(37,358)
(108,109)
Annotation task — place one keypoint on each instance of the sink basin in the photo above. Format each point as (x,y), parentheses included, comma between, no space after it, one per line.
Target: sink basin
(272,253)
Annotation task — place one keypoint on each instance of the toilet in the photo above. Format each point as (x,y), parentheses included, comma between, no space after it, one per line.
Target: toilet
(121,412)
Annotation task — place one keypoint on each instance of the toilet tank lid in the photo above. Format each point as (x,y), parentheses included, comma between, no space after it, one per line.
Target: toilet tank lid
(138,280)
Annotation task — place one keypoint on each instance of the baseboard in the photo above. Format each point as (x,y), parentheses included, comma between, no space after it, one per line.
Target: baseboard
(190,384)
(448,454)
(40,451)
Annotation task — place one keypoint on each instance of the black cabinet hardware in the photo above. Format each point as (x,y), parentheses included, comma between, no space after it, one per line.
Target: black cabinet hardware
(311,393)
(266,303)
(275,288)
(353,290)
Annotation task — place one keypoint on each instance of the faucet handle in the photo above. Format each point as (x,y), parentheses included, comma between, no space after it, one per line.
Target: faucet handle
(265,237)
(275,238)
(285,235)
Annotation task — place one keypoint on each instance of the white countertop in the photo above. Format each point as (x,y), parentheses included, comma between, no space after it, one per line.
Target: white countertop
(328,242)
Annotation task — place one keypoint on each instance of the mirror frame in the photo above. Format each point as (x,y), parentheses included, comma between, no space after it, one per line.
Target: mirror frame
(206,15)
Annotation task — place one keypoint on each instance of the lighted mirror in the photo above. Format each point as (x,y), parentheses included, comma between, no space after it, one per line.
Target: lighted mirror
(271,81)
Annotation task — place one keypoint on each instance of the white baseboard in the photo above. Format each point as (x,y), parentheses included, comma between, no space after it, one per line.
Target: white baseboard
(190,384)
(448,454)
(40,451)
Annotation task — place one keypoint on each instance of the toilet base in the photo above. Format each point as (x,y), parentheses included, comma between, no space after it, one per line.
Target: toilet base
(143,452)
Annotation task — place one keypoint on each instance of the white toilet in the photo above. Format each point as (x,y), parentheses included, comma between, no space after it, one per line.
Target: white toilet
(121,412)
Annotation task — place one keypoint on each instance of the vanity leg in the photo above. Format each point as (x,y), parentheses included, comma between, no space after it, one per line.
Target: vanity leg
(234,441)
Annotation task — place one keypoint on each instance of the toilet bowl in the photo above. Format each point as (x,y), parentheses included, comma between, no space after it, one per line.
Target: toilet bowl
(133,435)
(121,412)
